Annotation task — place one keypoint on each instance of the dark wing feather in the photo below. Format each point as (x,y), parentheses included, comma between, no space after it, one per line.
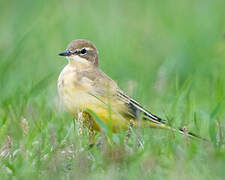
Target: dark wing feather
(137,111)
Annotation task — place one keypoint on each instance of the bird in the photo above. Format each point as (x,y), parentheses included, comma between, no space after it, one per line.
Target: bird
(86,92)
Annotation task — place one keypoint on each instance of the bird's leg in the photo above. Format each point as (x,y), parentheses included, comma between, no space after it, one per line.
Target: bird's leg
(129,131)
(101,142)
(90,130)
(91,135)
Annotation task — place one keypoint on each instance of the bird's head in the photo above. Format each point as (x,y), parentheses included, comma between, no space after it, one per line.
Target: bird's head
(82,51)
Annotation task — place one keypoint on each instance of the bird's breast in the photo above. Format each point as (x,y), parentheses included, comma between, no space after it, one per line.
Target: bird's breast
(73,90)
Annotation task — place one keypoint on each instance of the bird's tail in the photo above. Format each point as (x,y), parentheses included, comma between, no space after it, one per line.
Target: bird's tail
(182,131)
(135,110)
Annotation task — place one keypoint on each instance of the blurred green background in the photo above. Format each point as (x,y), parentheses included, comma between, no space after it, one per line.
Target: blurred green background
(168,55)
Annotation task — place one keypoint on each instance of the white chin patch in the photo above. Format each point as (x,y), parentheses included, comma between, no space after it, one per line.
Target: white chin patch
(77,58)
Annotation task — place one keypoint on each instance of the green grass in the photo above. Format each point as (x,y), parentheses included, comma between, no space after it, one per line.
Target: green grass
(170,56)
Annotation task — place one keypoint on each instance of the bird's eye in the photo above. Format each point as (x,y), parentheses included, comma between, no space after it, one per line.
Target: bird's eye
(83,51)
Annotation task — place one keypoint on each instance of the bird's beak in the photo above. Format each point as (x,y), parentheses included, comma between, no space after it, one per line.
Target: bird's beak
(65,53)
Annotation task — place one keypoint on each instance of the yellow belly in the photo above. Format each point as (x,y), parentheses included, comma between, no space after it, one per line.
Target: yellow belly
(109,116)
(77,101)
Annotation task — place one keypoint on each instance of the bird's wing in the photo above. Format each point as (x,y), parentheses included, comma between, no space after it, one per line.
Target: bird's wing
(104,88)
(137,111)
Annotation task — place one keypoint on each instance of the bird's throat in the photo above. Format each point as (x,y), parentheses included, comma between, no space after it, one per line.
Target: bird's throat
(79,63)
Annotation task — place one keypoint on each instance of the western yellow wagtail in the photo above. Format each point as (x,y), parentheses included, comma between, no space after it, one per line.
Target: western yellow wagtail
(83,86)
